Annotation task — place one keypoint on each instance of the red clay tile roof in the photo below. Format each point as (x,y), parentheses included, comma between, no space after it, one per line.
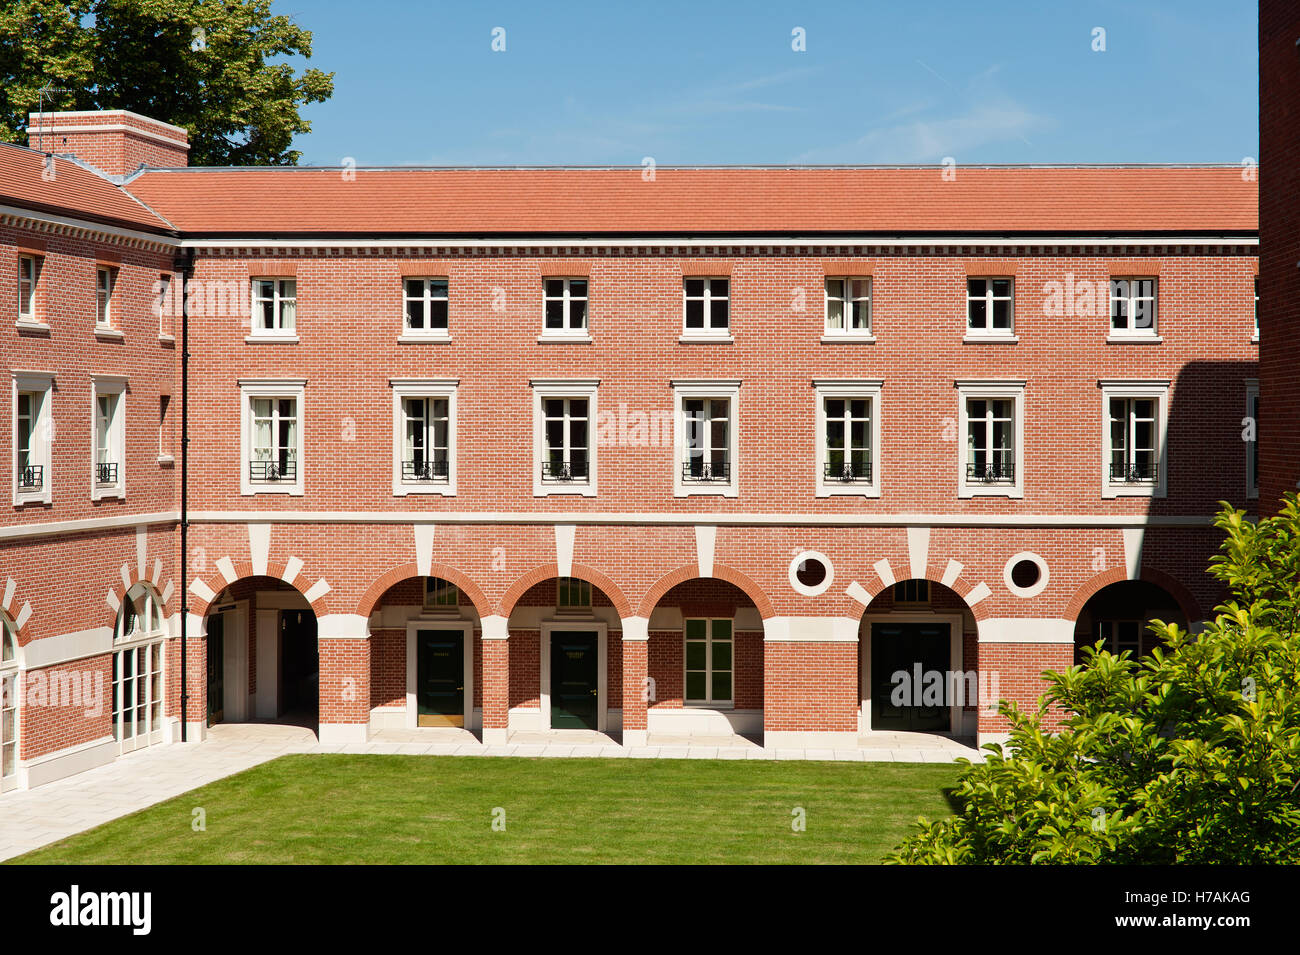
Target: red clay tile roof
(72,191)
(1056,200)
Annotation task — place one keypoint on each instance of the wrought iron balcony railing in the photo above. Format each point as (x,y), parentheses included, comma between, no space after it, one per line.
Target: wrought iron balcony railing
(849,473)
(1134,472)
(699,471)
(563,471)
(271,471)
(106,472)
(31,478)
(992,472)
(425,470)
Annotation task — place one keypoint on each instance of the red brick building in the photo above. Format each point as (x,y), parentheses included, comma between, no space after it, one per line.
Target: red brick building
(1279,229)
(791,452)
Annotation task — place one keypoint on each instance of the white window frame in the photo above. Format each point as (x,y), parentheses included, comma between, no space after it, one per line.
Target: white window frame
(165,455)
(846,333)
(848,390)
(42,440)
(28,317)
(164,305)
(436,388)
(1255,335)
(132,643)
(1252,448)
(1130,333)
(567,333)
(708,702)
(699,388)
(103,386)
(989,333)
(9,673)
(991,390)
(1158,390)
(427,299)
(708,332)
(105,284)
(583,388)
(270,388)
(278,333)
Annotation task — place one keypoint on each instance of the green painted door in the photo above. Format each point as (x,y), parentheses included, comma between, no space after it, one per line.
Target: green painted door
(216,667)
(440,677)
(914,650)
(574,687)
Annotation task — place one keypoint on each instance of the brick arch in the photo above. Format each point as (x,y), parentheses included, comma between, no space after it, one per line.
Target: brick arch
(548,571)
(216,581)
(962,587)
(366,605)
(720,571)
(16,608)
(1182,596)
(119,593)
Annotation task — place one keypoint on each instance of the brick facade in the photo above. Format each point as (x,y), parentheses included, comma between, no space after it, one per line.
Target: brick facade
(350,553)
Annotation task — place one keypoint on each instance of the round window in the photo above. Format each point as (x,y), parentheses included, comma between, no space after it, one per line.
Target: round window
(810,573)
(1025,574)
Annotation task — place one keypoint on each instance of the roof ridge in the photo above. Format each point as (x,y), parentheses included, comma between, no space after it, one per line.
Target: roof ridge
(725,167)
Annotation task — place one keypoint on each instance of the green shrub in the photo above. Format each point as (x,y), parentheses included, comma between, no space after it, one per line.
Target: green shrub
(1190,755)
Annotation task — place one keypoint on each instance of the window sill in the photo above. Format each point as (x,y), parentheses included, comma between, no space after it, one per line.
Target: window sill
(28,500)
(1114,491)
(706,339)
(109,334)
(446,490)
(971,338)
(557,339)
(1113,339)
(108,494)
(691,490)
(31,328)
(166,460)
(254,491)
(1013,493)
(701,705)
(167,339)
(833,339)
(582,491)
(1255,338)
(271,339)
(407,338)
(862,490)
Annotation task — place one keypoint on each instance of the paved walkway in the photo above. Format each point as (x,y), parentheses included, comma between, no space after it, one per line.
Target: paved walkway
(37,817)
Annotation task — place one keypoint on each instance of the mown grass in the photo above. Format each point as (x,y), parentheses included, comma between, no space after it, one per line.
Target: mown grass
(322,809)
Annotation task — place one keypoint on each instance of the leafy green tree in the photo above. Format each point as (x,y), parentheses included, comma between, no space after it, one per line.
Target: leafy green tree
(1190,755)
(216,67)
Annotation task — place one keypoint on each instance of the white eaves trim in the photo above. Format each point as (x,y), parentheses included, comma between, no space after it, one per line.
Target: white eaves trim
(402,242)
(689,519)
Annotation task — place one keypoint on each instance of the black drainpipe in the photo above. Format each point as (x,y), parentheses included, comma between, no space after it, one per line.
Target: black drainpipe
(184,265)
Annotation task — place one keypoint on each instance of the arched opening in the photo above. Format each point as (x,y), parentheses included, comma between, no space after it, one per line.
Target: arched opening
(8,704)
(263,661)
(918,663)
(705,662)
(138,693)
(1120,614)
(425,657)
(566,658)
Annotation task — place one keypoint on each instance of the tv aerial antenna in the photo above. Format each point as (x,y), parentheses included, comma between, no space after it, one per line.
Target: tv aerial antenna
(40,110)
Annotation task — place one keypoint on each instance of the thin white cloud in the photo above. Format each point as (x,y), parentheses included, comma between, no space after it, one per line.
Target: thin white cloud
(930,140)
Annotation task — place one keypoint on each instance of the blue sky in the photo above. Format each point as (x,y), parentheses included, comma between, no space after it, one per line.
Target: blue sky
(708,83)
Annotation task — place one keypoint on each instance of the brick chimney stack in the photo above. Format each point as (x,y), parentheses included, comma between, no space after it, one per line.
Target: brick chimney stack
(114,141)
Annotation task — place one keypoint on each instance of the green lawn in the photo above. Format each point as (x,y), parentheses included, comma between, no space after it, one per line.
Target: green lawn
(318,809)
